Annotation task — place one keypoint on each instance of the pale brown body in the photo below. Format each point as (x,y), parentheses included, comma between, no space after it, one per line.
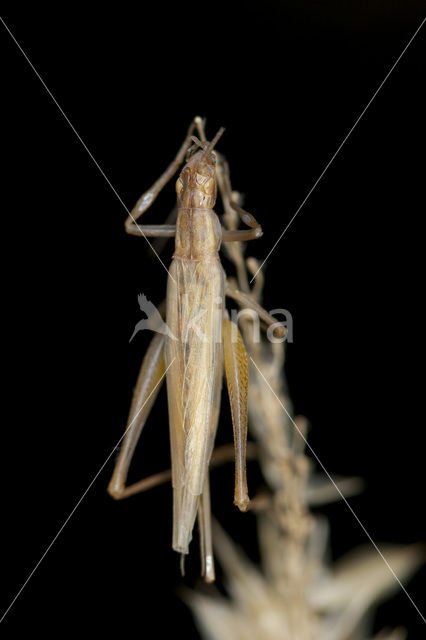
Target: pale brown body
(192,355)
(195,294)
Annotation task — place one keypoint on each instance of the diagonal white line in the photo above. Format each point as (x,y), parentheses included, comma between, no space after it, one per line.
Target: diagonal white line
(342,143)
(343,497)
(82,141)
(80,501)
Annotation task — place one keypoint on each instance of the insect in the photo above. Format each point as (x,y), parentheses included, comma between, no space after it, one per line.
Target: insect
(200,342)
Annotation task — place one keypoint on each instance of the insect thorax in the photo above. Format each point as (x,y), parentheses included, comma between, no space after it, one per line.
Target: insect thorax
(198,234)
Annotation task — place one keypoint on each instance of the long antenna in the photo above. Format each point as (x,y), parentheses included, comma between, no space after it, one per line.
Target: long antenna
(211,145)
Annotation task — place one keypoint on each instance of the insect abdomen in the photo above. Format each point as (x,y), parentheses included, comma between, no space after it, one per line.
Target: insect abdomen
(195,355)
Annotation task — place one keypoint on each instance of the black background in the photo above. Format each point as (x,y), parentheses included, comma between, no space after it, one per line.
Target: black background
(288,81)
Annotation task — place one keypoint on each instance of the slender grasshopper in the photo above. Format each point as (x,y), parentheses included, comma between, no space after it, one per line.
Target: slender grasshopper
(201,339)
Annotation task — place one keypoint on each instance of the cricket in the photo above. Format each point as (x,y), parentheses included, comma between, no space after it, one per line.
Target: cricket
(202,343)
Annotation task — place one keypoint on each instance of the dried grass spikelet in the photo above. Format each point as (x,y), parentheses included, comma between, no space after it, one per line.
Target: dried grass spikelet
(295,595)
(339,601)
